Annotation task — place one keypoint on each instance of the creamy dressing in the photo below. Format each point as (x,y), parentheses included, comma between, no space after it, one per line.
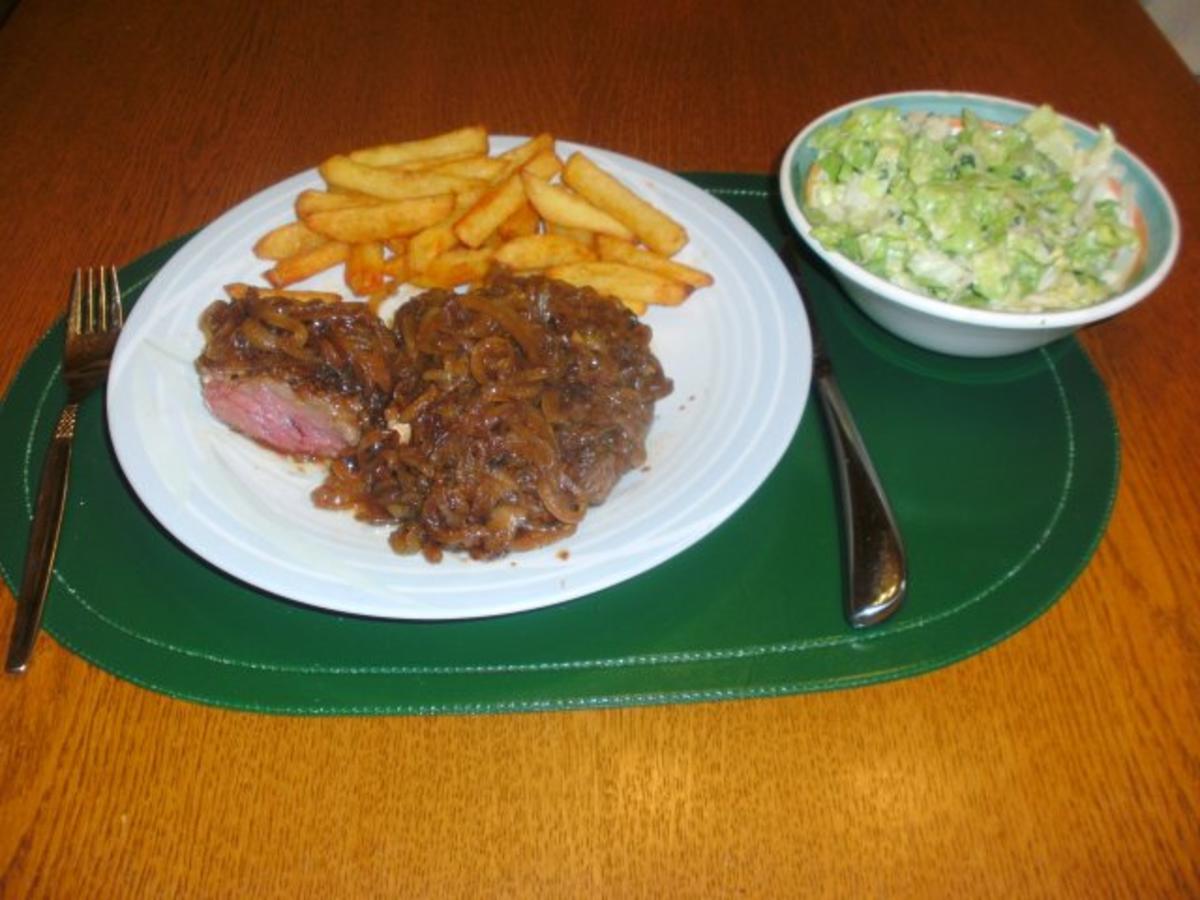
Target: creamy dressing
(1019,218)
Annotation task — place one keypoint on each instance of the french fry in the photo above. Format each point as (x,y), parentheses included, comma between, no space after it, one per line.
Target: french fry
(343,172)
(496,205)
(523,222)
(431,242)
(358,224)
(545,165)
(395,267)
(428,244)
(657,230)
(364,268)
(455,267)
(634,287)
(481,168)
(287,240)
(424,165)
(239,291)
(515,159)
(307,263)
(562,207)
(541,251)
(585,237)
(441,211)
(310,201)
(472,140)
(613,249)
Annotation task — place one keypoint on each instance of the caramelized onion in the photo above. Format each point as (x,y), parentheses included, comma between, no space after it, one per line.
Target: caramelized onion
(565,505)
(284,323)
(512,323)
(492,358)
(524,401)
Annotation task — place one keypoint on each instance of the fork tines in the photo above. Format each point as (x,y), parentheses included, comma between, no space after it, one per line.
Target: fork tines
(95,300)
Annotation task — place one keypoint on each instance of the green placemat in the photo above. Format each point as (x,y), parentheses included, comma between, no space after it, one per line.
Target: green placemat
(1002,474)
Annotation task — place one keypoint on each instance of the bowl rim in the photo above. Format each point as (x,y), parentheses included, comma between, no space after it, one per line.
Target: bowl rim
(943,309)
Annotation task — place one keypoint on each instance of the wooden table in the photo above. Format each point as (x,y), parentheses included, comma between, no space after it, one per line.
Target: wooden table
(1063,762)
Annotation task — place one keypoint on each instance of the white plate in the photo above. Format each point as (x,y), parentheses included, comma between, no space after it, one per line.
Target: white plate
(739,353)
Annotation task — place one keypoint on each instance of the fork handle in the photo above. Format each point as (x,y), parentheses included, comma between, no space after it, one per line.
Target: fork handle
(43,541)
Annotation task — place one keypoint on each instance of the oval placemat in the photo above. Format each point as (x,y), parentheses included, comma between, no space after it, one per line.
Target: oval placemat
(1002,474)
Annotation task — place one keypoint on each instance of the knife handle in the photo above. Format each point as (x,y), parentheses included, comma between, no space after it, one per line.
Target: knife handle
(43,541)
(875,564)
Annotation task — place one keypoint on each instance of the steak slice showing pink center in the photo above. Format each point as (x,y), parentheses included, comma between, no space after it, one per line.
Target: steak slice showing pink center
(270,412)
(303,379)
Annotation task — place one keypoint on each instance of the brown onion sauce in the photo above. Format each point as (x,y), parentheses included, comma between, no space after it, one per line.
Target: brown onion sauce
(523,402)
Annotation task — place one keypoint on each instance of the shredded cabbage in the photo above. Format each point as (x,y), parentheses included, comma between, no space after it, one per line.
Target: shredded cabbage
(1017,218)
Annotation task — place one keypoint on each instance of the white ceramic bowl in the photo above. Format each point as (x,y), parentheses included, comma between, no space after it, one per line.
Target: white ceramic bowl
(968,331)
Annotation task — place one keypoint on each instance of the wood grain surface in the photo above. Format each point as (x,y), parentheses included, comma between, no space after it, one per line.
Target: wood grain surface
(1064,762)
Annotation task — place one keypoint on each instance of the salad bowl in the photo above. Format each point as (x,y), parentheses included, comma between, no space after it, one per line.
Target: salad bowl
(971,325)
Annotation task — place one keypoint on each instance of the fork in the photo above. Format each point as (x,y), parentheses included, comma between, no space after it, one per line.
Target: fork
(94,319)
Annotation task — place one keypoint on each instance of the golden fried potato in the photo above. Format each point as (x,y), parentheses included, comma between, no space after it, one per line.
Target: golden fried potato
(364,268)
(311,201)
(307,263)
(439,237)
(358,224)
(455,267)
(395,266)
(657,230)
(540,251)
(287,240)
(343,172)
(425,165)
(429,243)
(515,159)
(470,141)
(634,287)
(562,207)
(490,211)
(479,168)
(440,211)
(585,237)
(616,250)
(524,221)
(545,165)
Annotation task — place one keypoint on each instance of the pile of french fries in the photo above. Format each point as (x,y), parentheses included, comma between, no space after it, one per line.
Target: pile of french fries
(442,211)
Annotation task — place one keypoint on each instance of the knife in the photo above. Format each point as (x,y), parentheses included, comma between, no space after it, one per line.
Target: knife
(876,568)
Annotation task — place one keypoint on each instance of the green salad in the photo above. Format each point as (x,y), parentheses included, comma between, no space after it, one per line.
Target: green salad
(1016,217)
